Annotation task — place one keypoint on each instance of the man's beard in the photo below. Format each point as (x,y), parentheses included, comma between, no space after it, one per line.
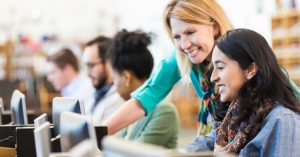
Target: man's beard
(101,82)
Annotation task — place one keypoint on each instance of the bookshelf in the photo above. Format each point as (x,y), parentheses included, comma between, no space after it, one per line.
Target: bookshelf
(286,42)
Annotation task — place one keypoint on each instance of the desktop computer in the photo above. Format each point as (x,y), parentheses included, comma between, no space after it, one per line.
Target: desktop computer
(42,139)
(1,110)
(61,104)
(74,129)
(117,147)
(25,141)
(40,120)
(18,108)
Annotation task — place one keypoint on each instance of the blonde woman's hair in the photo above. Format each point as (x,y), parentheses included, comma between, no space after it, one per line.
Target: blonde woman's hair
(207,12)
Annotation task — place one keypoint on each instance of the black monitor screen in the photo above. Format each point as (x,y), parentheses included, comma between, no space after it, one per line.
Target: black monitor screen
(74,129)
(61,104)
(18,108)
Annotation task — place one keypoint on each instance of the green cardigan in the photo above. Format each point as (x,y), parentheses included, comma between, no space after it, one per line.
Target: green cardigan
(159,127)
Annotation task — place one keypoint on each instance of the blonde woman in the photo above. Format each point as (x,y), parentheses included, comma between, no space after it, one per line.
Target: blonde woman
(193,26)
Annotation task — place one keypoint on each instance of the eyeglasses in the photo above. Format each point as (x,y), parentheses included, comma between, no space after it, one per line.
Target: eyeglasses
(92,65)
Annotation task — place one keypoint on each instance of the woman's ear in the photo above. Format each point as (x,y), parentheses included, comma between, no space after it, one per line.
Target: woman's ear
(251,71)
(216,30)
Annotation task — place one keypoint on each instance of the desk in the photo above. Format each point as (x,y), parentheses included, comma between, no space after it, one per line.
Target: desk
(23,137)
(7,152)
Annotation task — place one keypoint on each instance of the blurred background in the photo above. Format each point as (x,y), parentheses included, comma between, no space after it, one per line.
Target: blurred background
(32,29)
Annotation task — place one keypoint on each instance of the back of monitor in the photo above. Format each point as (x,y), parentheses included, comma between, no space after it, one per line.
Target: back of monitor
(42,140)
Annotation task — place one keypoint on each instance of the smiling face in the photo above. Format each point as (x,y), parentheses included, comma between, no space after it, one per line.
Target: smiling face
(228,75)
(194,40)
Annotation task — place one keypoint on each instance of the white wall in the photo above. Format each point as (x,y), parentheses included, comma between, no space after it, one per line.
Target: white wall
(80,20)
(70,19)
(146,15)
(252,14)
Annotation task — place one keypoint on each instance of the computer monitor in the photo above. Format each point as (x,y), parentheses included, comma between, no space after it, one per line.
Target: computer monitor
(40,120)
(74,129)
(61,104)
(84,149)
(18,108)
(42,140)
(117,147)
(1,109)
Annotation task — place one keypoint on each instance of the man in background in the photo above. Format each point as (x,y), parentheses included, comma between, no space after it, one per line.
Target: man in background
(63,73)
(106,99)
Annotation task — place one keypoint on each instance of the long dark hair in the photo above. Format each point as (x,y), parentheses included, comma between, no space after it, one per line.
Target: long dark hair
(269,86)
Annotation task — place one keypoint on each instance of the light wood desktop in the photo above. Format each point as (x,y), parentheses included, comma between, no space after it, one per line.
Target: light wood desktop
(7,152)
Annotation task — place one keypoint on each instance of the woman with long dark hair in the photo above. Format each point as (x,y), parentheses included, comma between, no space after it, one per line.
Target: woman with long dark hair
(263,118)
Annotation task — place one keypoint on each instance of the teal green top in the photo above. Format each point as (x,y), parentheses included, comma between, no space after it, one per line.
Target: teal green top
(159,127)
(157,87)
(296,89)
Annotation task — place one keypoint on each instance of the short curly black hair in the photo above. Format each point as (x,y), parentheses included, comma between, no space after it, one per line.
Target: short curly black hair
(129,51)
